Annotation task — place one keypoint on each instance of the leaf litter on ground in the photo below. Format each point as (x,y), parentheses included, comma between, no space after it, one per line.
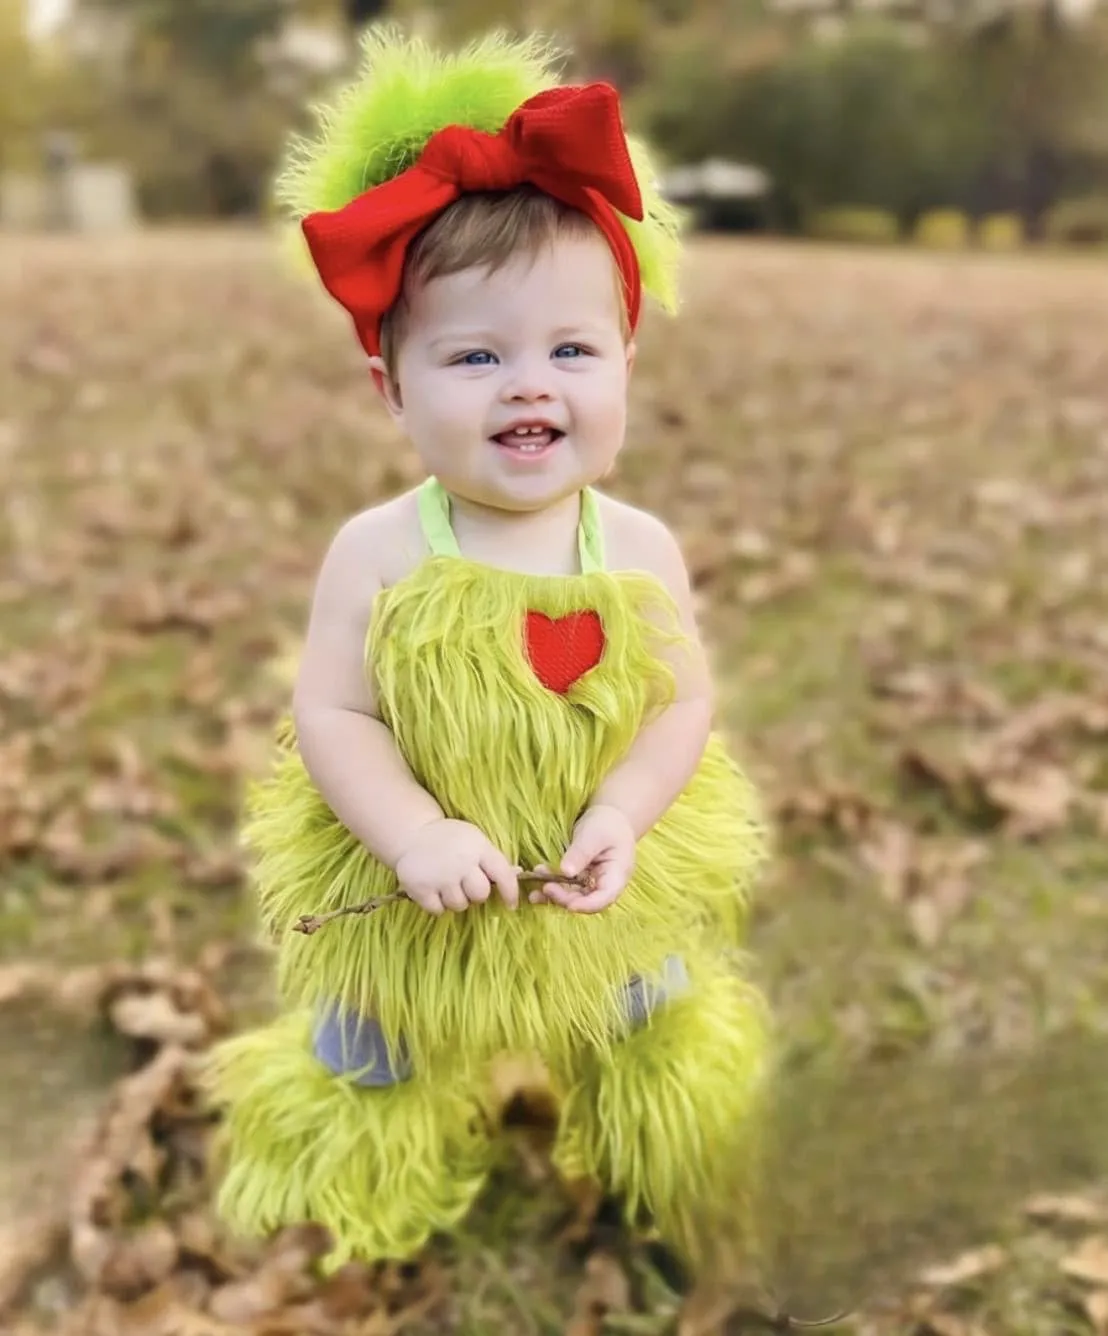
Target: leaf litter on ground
(894,510)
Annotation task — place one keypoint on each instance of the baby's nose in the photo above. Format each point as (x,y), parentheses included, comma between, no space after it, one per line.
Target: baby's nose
(529,392)
(528,383)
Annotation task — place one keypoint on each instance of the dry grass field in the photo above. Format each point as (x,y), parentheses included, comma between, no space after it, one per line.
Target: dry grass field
(890,472)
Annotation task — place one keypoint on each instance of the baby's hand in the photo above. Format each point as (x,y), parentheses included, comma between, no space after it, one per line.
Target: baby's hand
(451,865)
(604,842)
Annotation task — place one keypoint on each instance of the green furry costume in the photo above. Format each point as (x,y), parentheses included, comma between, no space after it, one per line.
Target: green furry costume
(660,1072)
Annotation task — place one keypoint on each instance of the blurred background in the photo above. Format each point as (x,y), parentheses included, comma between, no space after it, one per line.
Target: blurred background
(851,119)
(879,425)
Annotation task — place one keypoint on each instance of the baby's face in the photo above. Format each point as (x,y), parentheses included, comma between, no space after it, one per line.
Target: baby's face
(537,345)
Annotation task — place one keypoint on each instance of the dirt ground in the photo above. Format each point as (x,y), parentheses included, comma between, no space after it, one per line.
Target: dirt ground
(890,474)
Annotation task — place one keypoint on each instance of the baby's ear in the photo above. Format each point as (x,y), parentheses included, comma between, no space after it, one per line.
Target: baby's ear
(387,387)
(631,352)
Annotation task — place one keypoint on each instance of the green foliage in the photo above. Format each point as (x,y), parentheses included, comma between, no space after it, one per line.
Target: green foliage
(1008,117)
(21,90)
(942,229)
(191,101)
(873,119)
(886,118)
(210,34)
(1000,232)
(1079,222)
(859,225)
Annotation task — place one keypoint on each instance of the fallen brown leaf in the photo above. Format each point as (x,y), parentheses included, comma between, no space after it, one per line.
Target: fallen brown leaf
(283,1278)
(946,1324)
(154,1016)
(24,1248)
(1096,1309)
(1076,1208)
(705,1311)
(929,879)
(968,1267)
(122,1145)
(138,1259)
(1089,1262)
(1035,802)
(605,1289)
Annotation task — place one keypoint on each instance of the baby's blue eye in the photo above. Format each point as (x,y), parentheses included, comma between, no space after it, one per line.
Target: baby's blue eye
(470,359)
(573,349)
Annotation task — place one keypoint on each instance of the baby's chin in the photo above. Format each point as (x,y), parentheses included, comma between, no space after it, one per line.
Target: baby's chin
(519,496)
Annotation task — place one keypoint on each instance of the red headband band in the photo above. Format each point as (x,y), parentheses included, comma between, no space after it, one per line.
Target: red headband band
(569,142)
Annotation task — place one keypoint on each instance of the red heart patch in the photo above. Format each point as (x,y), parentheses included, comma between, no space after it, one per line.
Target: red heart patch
(563,649)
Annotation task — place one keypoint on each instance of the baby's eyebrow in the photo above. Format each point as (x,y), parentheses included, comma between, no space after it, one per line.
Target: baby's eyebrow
(462,336)
(589,328)
(581,327)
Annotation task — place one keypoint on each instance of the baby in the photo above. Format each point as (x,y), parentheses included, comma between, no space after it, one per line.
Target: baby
(503,710)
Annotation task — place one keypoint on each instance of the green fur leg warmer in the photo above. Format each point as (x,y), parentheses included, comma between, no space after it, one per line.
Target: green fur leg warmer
(669,1121)
(381,1169)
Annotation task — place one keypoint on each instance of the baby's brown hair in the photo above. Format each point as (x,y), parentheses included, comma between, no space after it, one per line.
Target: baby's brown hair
(485,230)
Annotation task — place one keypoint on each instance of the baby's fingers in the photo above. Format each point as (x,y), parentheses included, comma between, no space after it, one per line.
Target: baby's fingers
(550,893)
(497,868)
(593,901)
(609,886)
(557,894)
(431,901)
(537,896)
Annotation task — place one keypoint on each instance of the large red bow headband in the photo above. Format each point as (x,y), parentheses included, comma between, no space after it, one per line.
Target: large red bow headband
(568,142)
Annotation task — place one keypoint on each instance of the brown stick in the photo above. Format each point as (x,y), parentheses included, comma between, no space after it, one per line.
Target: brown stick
(780,1321)
(310,923)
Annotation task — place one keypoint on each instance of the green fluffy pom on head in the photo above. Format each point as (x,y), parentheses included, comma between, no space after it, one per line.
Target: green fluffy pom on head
(406,91)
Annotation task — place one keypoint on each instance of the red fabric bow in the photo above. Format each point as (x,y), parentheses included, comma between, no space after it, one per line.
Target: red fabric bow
(569,142)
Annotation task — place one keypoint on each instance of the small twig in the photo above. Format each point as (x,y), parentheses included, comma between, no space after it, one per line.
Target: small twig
(310,923)
(773,1317)
(780,1321)
(799,1324)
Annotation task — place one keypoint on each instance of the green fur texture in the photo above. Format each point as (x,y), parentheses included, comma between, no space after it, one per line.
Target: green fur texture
(520,762)
(671,1120)
(406,90)
(381,1170)
(666,1115)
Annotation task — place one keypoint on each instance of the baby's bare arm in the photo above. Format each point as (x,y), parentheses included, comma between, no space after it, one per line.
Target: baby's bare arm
(664,756)
(351,756)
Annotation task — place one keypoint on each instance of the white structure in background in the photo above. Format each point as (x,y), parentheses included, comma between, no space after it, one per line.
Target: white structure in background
(92,197)
(42,17)
(312,46)
(714,179)
(67,194)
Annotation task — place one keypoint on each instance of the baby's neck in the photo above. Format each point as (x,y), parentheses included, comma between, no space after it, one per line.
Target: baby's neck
(542,542)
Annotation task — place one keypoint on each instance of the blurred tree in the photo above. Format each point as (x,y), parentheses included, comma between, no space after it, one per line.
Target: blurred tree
(981,115)
(196,99)
(869,120)
(1041,89)
(990,106)
(210,34)
(21,90)
(360,12)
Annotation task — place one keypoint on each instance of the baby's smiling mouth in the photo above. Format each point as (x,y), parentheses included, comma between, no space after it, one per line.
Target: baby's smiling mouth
(529,439)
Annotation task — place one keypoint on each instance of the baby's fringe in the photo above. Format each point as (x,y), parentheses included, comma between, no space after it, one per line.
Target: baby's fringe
(382,1169)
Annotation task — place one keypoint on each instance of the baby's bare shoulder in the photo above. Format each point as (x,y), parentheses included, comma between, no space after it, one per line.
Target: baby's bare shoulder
(637,540)
(379,545)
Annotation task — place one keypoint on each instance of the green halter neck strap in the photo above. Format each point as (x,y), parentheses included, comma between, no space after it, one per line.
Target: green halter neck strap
(434,517)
